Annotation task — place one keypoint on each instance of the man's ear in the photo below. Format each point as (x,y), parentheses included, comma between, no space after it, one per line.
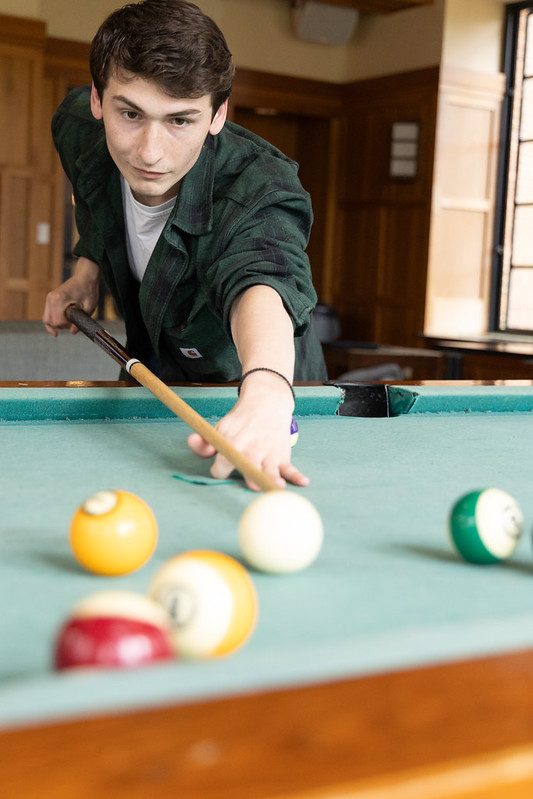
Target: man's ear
(96,105)
(217,123)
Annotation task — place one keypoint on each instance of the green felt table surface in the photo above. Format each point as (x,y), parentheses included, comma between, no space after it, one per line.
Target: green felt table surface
(386,592)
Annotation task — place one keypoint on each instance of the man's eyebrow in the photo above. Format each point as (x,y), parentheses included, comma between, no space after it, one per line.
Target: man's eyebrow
(119,98)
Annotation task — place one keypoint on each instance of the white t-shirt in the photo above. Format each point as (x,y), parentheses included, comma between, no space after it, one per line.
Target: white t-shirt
(144,224)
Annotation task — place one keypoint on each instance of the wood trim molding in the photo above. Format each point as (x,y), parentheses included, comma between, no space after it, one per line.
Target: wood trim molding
(474,88)
(66,56)
(473,82)
(67,50)
(287,93)
(22,31)
(366,90)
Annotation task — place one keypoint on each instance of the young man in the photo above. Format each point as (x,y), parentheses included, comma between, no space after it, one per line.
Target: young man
(197,226)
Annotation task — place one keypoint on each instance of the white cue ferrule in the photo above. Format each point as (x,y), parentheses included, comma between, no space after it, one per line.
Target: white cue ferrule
(131,362)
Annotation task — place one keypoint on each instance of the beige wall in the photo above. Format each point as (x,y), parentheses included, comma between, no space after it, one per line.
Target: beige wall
(22,8)
(75,19)
(388,43)
(260,35)
(473,34)
(460,33)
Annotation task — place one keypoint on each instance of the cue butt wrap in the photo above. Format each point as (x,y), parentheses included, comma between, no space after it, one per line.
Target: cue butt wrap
(89,326)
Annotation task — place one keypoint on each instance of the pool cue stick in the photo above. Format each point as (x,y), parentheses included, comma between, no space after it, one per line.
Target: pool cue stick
(94,331)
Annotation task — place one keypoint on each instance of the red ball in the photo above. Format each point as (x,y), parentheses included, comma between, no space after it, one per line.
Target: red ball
(110,643)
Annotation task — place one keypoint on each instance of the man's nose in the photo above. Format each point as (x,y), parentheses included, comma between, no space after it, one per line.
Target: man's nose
(150,145)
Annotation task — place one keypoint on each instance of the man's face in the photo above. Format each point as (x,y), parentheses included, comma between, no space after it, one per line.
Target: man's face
(154,139)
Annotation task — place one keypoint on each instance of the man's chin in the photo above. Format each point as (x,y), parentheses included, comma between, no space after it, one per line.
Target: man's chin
(153,193)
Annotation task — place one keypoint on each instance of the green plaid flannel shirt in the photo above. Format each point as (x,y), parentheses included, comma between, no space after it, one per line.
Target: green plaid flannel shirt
(241,218)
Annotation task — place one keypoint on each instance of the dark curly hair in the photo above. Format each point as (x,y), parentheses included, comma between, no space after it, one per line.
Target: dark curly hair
(171,42)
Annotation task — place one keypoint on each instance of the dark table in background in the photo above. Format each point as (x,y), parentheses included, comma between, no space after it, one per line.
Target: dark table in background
(415,363)
(516,353)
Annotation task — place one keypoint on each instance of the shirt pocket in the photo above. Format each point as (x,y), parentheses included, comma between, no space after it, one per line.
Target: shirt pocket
(202,348)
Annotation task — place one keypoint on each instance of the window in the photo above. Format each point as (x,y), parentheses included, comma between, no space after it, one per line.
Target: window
(513,306)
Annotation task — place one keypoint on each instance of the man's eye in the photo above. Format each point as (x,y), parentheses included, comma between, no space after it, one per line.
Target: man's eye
(180,122)
(130,114)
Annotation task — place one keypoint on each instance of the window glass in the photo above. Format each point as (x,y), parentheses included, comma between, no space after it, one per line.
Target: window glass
(515,249)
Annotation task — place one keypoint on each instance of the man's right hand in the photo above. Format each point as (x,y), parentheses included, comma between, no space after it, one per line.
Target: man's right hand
(82,288)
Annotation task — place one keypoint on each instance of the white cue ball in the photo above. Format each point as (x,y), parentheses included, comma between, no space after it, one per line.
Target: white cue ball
(280,532)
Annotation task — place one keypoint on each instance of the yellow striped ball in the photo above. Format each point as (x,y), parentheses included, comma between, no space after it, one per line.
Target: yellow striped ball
(211,602)
(113,533)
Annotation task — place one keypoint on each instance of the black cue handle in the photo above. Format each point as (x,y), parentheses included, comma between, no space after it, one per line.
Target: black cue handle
(94,330)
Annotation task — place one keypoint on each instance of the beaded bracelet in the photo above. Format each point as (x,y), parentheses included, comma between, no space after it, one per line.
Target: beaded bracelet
(265,369)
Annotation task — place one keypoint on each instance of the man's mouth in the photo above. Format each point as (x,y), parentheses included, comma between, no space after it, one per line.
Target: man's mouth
(148,174)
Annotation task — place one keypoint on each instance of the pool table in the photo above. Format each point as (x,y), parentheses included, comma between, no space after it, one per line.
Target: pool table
(389,669)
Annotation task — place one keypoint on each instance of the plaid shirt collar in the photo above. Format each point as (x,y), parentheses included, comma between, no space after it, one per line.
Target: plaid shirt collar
(193,210)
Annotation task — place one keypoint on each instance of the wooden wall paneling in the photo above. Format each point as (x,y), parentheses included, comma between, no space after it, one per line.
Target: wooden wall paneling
(21,48)
(25,263)
(325,263)
(401,276)
(54,89)
(15,232)
(318,154)
(67,62)
(355,287)
(463,203)
(22,32)
(17,101)
(387,254)
(47,155)
(48,257)
(299,96)
(21,69)
(41,273)
(66,65)
(372,106)
(278,128)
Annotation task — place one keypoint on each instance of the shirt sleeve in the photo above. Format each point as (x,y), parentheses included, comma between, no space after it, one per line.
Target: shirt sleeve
(267,246)
(72,136)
